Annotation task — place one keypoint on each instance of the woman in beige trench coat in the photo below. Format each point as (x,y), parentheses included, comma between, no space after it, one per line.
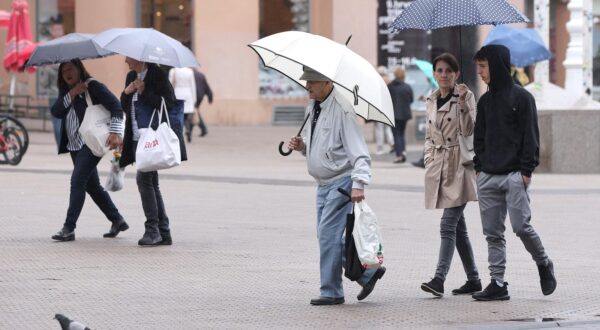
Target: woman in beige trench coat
(450,181)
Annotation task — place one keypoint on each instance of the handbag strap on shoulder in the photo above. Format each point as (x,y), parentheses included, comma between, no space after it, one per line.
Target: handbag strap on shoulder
(88,99)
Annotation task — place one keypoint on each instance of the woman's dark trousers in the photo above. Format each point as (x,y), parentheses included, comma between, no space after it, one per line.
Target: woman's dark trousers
(157,222)
(85,179)
(453,231)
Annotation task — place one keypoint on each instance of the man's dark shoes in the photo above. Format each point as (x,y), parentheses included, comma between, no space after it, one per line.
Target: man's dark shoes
(435,287)
(493,292)
(368,288)
(547,279)
(64,235)
(116,227)
(325,301)
(470,287)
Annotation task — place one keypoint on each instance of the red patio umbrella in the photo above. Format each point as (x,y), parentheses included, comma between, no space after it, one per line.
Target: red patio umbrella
(18,37)
(4,19)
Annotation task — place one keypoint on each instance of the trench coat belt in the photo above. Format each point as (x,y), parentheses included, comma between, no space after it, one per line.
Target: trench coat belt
(446,145)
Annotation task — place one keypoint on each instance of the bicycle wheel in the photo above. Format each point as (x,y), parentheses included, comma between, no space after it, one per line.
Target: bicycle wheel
(14,151)
(19,129)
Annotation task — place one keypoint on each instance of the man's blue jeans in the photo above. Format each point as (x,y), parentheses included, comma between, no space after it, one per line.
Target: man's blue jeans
(331,224)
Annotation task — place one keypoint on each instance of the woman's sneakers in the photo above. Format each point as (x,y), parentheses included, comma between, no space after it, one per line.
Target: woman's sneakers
(64,235)
(435,287)
(547,279)
(470,287)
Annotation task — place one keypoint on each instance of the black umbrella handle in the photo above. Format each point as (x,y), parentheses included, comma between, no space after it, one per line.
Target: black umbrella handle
(345,193)
(287,153)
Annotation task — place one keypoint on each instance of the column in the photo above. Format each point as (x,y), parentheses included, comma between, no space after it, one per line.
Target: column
(541,19)
(574,57)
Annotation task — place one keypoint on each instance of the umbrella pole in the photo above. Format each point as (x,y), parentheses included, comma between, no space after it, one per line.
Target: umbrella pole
(11,92)
(287,153)
(460,54)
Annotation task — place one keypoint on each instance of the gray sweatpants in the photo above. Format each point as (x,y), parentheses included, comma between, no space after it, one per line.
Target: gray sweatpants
(497,194)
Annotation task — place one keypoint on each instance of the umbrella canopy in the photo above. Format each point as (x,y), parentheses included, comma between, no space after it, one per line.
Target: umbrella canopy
(66,48)
(427,68)
(18,37)
(525,45)
(288,52)
(146,45)
(435,14)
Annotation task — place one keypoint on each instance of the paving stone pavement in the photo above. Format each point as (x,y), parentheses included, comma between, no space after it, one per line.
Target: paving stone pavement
(245,252)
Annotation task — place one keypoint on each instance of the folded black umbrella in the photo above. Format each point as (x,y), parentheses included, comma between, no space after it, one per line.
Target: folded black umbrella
(353,268)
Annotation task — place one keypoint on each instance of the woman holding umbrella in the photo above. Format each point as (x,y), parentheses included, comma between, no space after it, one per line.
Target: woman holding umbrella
(449,177)
(73,84)
(146,86)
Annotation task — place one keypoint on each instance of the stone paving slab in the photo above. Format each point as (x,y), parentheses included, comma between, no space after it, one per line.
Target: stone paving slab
(245,252)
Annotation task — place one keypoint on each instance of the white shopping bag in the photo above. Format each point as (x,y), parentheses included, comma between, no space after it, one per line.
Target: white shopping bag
(94,127)
(158,149)
(367,236)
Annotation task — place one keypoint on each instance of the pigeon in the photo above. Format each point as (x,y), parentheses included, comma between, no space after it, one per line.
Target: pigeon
(67,324)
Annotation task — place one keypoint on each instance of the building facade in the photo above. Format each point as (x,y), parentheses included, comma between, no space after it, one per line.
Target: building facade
(218,32)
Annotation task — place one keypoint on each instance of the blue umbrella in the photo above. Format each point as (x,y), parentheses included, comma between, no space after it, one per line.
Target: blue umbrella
(436,14)
(66,48)
(427,69)
(525,45)
(146,45)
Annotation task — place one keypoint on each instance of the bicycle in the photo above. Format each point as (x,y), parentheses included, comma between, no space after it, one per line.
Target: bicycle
(14,140)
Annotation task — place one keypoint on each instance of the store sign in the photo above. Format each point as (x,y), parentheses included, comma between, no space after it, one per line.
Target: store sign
(398,49)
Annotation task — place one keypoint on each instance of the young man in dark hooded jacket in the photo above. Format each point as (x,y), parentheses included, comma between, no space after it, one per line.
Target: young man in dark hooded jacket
(506,146)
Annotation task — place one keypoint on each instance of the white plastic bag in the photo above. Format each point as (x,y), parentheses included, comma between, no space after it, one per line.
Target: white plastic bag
(116,175)
(367,236)
(94,128)
(158,149)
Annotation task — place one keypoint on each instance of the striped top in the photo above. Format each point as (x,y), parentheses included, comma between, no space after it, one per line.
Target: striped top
(134,125)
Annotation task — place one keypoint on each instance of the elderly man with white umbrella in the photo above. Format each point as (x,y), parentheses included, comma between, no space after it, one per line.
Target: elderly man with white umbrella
(333,143)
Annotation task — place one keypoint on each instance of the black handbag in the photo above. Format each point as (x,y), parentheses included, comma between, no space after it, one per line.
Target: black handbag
(353,269)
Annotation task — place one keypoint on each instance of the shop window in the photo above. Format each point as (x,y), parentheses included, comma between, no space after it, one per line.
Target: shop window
(54,19)
(279,16)
(171,17)
(596,50)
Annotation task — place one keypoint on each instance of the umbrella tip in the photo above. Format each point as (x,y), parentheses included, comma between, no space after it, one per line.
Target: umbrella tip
(348,41)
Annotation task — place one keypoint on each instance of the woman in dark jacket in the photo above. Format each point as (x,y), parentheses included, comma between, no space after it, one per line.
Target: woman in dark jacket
(73,82)
(145,87)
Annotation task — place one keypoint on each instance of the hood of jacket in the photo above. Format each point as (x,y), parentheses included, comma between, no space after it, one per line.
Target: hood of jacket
(498,58)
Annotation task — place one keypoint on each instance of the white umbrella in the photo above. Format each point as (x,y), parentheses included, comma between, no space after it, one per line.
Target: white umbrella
(146,45)
(288,52)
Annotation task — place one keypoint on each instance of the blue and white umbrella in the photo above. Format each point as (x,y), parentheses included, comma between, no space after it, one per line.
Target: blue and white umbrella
(525,45)
(436,14)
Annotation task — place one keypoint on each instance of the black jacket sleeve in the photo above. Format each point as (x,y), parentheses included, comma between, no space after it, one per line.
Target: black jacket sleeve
(528,121)
(479,135)
(100,94)
(61,107)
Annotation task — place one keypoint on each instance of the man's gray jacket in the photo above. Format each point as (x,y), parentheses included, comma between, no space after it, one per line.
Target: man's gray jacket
(338,148)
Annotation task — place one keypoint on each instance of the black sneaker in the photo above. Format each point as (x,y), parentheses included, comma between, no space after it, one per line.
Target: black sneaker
(64,235)
(547,279)
(493,292)
(435,287)
(470,287)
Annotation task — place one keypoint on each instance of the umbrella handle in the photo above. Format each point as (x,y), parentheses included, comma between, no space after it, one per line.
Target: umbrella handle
(345,193)
(282,152)
(355,92)
(287,153)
